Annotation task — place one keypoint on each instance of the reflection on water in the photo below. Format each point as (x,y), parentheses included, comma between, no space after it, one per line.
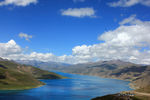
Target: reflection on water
(78,87)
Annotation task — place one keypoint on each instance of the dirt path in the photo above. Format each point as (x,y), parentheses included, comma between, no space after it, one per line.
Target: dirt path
(142,94)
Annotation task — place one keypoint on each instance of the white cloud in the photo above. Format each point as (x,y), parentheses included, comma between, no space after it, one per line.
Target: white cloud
(79,12)
(9,48)
(17,2)
(13,51)
(78,0)
(128,20)
(128,3)
(125,43)
(26,36)
(122,43)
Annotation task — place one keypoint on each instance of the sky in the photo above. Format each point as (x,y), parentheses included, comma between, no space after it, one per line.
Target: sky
(75,31)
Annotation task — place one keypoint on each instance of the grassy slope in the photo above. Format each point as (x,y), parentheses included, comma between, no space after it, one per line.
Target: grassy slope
(142,97)
(16,76)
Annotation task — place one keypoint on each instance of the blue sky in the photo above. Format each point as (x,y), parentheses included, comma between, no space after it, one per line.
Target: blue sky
(56,33)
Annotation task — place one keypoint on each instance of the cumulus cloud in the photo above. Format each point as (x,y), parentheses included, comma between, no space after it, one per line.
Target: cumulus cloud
(128,3)
(9,48)
(125,42)
(79,12)
(25,36)
(18,2)
(129,42)
(128,20)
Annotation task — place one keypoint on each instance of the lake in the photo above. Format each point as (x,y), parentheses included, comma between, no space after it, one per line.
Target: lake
(78,87)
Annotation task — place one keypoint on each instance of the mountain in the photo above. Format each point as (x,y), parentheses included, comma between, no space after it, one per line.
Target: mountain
(43,65)
(19,76)
(100,64)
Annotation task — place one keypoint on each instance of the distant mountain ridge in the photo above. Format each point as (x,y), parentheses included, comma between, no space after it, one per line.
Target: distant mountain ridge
(43,65)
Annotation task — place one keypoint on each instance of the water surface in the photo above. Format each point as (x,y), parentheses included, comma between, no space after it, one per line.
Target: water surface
(79,87)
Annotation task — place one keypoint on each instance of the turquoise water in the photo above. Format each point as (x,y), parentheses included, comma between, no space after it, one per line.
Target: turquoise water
(79,87)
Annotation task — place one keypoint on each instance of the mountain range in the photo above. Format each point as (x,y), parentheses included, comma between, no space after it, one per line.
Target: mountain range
(43,65)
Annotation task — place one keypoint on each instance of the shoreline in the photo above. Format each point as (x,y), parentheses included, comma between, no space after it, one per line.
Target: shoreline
(27,88)
(131,85)
(21,89)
